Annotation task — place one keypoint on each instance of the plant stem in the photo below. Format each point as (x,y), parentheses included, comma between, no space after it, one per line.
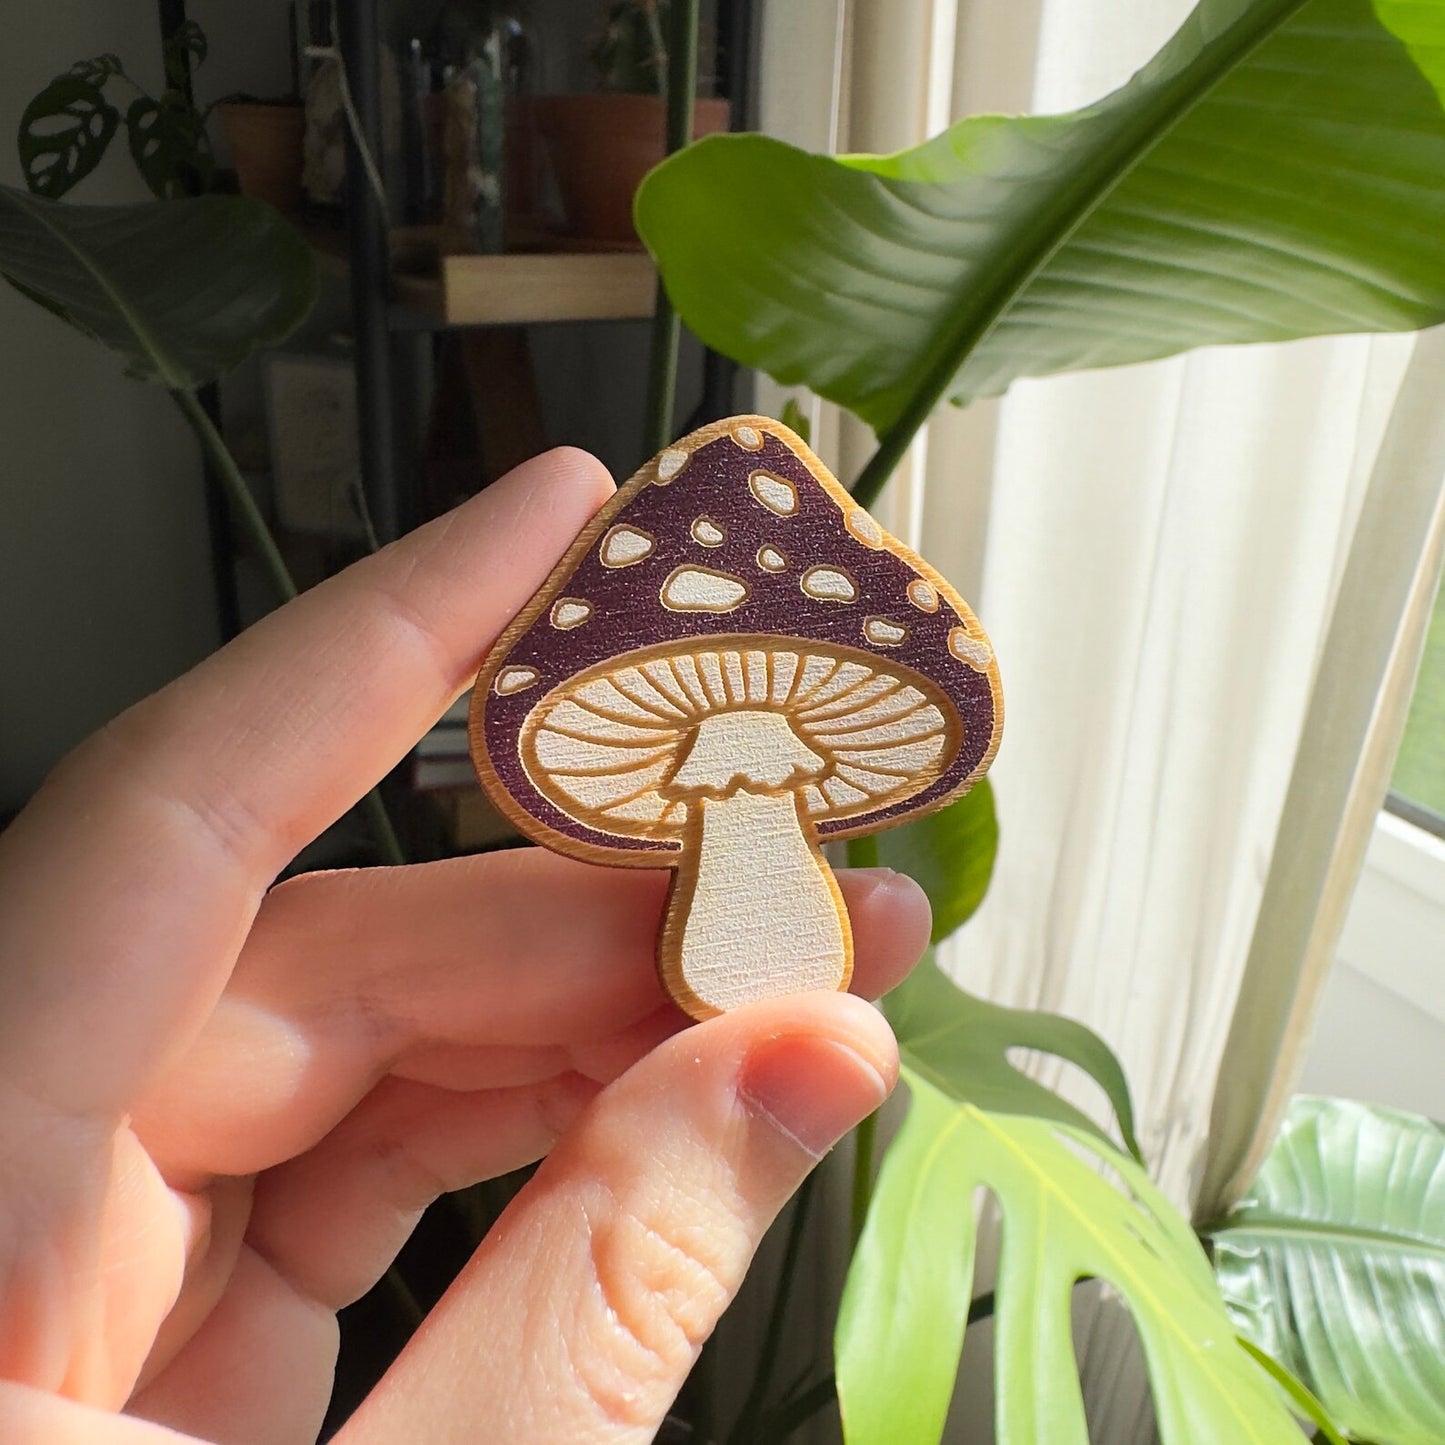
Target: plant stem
(792,1414)
(254,524)
(401,1292)
(745,1431)
(238,493)
(666,325)
(864,1140)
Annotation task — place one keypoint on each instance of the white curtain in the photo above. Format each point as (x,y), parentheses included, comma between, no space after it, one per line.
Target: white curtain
(1155,552)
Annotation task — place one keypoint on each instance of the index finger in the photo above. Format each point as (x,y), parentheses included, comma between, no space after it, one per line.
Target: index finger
(129,884)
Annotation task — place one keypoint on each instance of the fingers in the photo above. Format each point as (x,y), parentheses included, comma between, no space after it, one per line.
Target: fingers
(171,822)
(583,1310)
(334,1219)
(36,1417)
(475,974)
(258,1371)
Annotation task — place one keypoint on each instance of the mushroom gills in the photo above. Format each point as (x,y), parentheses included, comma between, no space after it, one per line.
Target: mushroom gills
(755,913)
(744,750)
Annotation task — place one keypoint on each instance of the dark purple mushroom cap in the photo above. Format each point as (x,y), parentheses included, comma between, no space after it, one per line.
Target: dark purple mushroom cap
(731,574)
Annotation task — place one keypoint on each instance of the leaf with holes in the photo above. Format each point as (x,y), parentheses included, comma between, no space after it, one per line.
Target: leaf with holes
(65,130)
(183,291)
(99,68)
(1335,1264)
(185,48)
(900,1330)
(961,1045)
(1277,170)
(169,145)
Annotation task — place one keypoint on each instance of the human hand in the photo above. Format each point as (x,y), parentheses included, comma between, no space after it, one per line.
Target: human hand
(222,1110)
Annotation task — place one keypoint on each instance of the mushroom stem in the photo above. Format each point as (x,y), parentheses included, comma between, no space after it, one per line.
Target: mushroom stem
(756,910)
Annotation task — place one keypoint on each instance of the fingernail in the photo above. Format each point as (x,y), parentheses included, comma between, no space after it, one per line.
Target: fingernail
(881,880)
(811,1089)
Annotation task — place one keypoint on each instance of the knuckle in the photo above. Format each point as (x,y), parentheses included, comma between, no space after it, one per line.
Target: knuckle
(658,1288)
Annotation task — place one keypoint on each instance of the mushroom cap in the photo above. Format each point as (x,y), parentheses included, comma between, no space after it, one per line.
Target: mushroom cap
(578,726)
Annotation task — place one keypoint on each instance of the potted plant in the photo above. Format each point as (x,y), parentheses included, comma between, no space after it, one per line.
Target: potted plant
(602,144)
(1025,236)
(266,140)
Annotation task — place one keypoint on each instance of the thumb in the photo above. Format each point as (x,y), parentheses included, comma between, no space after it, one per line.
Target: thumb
(581,1313)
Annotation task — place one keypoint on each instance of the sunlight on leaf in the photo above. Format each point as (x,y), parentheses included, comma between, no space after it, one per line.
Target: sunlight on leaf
(961,1044)
(900,1331)
(1335,1265)
(1274,172)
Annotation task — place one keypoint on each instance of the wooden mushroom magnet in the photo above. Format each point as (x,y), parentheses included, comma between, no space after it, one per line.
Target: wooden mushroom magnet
(732,666)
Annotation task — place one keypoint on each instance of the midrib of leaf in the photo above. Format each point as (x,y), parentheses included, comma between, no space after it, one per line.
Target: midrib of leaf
(1282,1228)
(142,335)
(1142,130)
(1126,1271)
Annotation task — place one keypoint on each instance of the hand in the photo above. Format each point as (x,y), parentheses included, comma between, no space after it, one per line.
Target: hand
(222,1110)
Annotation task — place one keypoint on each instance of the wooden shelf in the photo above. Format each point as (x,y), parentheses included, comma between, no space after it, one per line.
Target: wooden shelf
(518,289)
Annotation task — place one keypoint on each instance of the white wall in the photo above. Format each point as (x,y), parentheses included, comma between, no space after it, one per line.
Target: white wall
(1380,1033)
(105,586)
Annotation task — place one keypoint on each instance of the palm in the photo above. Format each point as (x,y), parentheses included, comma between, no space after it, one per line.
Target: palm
(223,1109)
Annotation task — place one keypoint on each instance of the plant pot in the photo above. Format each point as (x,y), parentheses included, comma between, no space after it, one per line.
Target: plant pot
(266,148)
(601,146)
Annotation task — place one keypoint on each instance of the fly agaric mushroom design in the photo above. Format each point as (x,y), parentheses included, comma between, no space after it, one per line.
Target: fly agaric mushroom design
(732,666)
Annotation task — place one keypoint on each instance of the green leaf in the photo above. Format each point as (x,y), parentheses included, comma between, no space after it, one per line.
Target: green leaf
(1277,171)
(65,130)
(960,1046)
(99,68)
(795,419)
(1303,1400)
(949,854)
(184,48)
(900,1331)
(1335,1265)
(184,290)
(169,145)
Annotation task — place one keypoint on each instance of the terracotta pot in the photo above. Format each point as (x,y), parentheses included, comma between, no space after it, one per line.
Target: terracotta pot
(266,148)
(601,146)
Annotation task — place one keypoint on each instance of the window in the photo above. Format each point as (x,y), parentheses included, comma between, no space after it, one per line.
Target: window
(1417,790)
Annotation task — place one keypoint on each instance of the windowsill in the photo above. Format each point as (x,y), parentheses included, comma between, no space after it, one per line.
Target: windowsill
(1395,933)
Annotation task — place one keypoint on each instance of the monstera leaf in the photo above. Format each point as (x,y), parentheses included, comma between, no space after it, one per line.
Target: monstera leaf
(1335,1265)
(169,146)
(1277,170)
(184,290)
(974,1123)
(66,129)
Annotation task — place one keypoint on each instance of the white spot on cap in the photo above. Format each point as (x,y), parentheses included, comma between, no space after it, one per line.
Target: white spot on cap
(971,650)
(864,528)
(623,545)
(514,679)
(776,494)
(708,533)
(884,632)
(923,595)
(748,437)
(771,560)
(669,464)
(700,589)
(569,612)
(829,584)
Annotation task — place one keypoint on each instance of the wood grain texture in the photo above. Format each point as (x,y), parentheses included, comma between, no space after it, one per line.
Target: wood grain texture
(731,666)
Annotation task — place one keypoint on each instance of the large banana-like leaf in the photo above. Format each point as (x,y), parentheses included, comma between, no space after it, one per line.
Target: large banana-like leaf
(1278,170)
(184,290)
(901,1327)
(1335,1265)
